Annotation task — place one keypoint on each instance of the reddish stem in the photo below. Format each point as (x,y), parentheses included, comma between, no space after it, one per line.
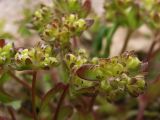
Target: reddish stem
(52,91)
(151,51)
(25,112)
(11,112)
(25,84)
(92,101)
(142,105)
(34,96)
(55,117)
(126,41)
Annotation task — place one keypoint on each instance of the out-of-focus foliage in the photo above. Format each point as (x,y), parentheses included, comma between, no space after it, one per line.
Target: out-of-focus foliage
(3,34)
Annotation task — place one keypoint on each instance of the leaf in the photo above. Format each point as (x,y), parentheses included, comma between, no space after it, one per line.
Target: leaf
(109,38)
(131,18)
(6,35)
(97,44)
(24,31)
(90,91)
(87,6)
(15,104)
(89,72)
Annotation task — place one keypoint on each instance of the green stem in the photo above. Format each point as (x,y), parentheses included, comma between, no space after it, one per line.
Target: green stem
(129,33)
(63,68)
(34,96)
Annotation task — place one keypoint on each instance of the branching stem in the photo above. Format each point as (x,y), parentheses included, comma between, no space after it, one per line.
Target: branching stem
(25,84)
(55,117)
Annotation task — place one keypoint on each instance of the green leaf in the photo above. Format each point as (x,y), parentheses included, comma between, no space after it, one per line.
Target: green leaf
(6,35)
(24,31)
(97,45)
(15,104)
(89,72)
(109,38)
(131,18)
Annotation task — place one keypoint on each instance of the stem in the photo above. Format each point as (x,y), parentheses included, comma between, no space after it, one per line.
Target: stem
(92,102)
(25,84)
(49,95)
(155,41)
(25,112)
(151,50)
(75,43)
(129,33)
(10,110)
(142,105)
(34,96)
(55,117)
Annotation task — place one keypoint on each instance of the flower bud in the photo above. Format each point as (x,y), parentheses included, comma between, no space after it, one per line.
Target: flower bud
(105,86)
(94,60)
(115,95)
(72,18)
(132,63)
(70,59)
(6,53)
(80,25)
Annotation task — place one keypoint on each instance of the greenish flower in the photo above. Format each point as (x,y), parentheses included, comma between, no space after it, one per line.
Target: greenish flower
(6,54)
(115,76)
(39,57)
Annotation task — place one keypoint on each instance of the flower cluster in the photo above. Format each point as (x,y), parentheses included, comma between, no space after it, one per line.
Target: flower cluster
(62,30)
(133,12)
(151,12)
(74,61)
(55,29)
(39,57)
(72,6)
(115,76)
(6,54)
